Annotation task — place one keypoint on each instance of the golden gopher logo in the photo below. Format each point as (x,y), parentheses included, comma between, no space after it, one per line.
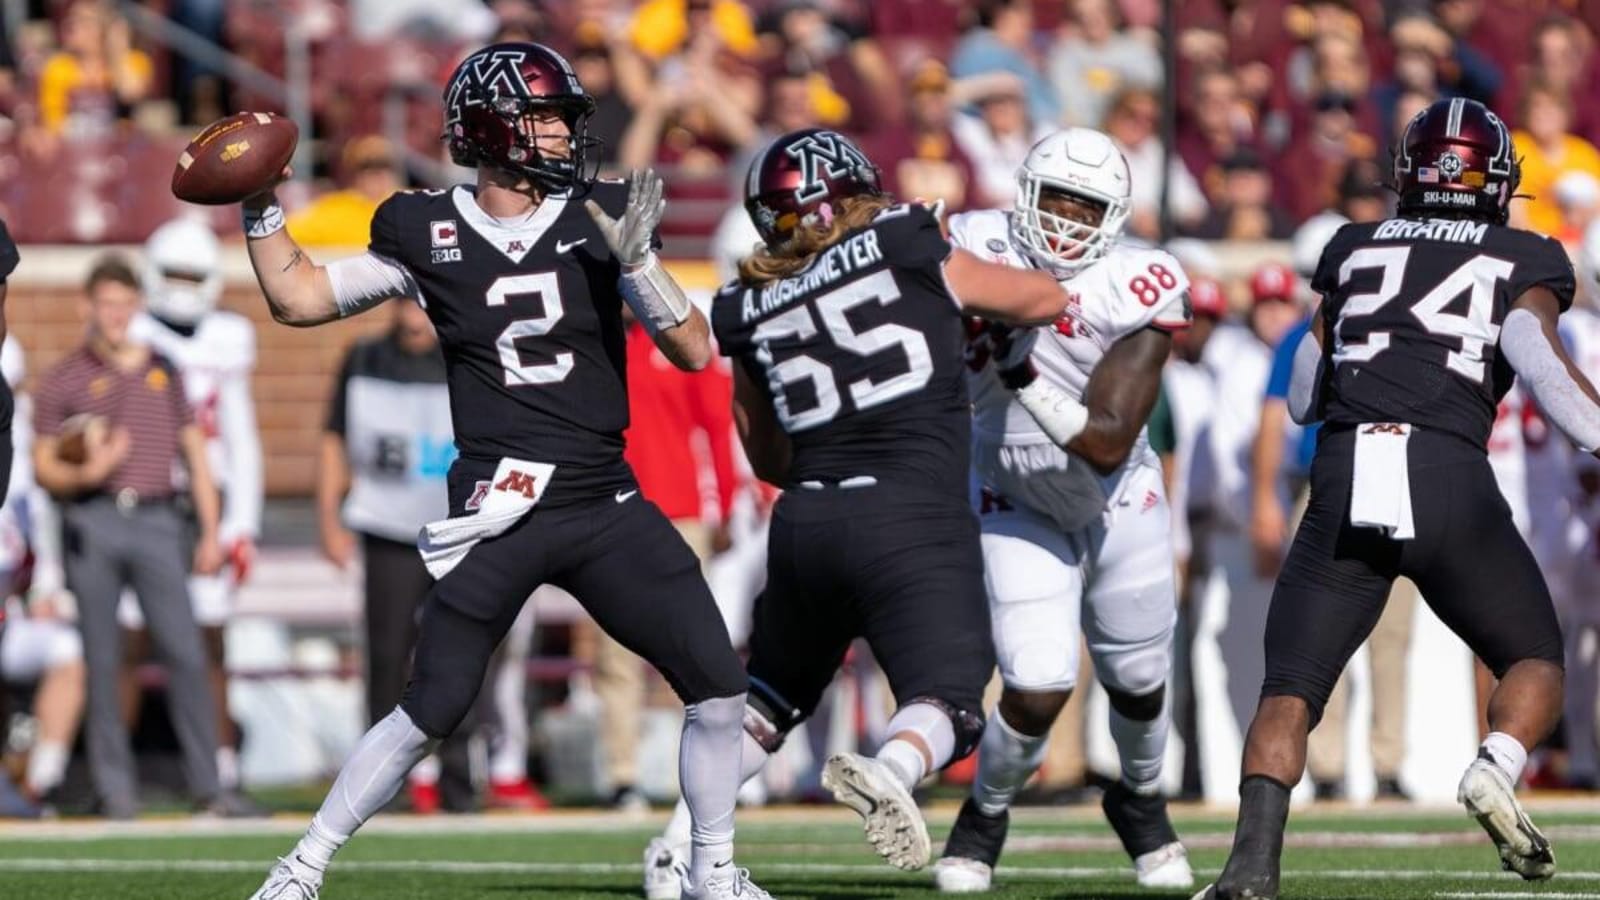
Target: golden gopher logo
(234,151)
(156,380)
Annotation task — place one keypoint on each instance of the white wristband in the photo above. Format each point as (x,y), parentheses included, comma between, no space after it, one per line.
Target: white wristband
(1061,417)
(656,298)
(263,222)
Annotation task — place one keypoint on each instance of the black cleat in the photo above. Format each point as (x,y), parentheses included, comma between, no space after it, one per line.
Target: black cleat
(971,851)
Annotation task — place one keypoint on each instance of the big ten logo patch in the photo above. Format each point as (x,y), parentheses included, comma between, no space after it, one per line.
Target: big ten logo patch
(446,254)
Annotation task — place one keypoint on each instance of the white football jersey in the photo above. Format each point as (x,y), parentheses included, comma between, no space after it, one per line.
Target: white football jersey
(216,362)
(1127,290)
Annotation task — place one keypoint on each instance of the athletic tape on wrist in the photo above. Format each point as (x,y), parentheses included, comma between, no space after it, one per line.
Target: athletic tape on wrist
(1061,417)
(655,297)
(263,222)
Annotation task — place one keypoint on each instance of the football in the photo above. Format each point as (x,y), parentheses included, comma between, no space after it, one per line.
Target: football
(234,158)
(72,445)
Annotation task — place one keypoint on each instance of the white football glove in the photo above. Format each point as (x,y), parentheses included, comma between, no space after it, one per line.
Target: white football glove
(629,238)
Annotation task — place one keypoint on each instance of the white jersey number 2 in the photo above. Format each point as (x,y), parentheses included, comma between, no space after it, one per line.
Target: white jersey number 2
(548,289)
(833,308)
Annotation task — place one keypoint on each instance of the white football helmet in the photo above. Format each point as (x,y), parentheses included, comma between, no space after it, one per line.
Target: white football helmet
(182,271)
(1084,163)
(1589,266)
(1310,239)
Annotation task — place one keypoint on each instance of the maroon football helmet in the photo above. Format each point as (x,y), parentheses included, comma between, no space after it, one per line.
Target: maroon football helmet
(489,107)
(801,175)
(1456,158)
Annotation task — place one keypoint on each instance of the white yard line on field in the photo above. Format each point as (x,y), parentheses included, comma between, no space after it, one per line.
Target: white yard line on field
(1014,873)
(1512,895)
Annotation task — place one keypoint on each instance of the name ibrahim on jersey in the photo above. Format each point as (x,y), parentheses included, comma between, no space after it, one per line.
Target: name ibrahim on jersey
(524,274)
(1425,321)
(845,328)
(1073,510)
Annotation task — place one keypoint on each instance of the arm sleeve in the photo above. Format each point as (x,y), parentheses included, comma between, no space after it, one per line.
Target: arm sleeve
(241,441)
(1283,361)
(9,257)
(362,282)
(1305,380)
(1564,402)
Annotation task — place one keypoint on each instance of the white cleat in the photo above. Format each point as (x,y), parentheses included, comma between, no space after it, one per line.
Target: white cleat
(664,869)
(728,883)
(893,824)
(1165,867)
(1489,796)
(954,875)
(290,880)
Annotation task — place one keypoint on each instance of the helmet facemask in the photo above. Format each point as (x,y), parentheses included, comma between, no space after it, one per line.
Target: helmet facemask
(1063,229)
(521,155)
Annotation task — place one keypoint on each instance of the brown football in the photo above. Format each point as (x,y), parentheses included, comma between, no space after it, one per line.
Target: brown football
(77,432)
(234,158)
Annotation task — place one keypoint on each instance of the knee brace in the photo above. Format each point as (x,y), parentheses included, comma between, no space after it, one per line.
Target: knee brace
(1138,707)
(968,725)
(768,717)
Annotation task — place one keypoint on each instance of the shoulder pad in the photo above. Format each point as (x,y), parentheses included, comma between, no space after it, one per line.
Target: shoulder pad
(1133,288)
(986,232)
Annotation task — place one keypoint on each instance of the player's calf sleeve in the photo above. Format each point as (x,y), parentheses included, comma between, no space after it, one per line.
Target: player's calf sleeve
(368,781)
(752,759)
(1139,727)
(922,739)
(713,736)
(1006,760)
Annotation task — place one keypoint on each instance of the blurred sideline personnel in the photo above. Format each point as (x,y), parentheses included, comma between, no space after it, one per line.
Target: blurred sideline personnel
(1076,528)
(670,414)
(111,423)
(526,292)
(846,335)
(8,264)
(215,351)
(386,451)
(1401,481)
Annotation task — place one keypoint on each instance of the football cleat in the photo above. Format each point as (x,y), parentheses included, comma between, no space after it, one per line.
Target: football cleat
(1167,867)
(290,879)
(727,883)
(893,824)
(517,793)
(665,867)
(1487,793)
(971,851)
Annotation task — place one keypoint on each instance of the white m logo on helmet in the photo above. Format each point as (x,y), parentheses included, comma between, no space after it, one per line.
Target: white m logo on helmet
(496,74)
(824,155)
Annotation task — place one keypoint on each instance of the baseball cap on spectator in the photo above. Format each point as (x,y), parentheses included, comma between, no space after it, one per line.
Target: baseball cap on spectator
(1361,178)
(370,151)
(589,39)
(979,89)
(1272,282)
(1205,297)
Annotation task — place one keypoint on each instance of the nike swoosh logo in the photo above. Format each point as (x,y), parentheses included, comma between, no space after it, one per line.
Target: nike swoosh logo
(622,496)
(563,246)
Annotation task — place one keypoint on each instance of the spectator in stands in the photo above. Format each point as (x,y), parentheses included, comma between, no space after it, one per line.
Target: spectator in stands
(1482,48)
(123,529)
(1548,149)
(378,20)
(1002,41)
(1405,108)
(853,84)
(386,449)
(1132,125)
(672,413)
(1245,211)
(1562,59)
(1217,125)
(343,218)
(700,111)
(923,159)
(1463,71)
(998,136)
(598,72)
(662,28)
(1413,83)
(1362,195)
(1096,58)
(1310,168)
(1577,195)
(198,86)
(1339,66)
(97,77)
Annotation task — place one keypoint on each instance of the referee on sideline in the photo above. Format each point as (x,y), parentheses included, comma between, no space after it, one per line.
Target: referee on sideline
(123,528)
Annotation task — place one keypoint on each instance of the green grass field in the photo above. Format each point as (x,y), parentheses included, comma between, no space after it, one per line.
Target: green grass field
(798,854)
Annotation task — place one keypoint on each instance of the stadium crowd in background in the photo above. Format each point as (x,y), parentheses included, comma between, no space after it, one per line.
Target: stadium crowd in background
(1285,112)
